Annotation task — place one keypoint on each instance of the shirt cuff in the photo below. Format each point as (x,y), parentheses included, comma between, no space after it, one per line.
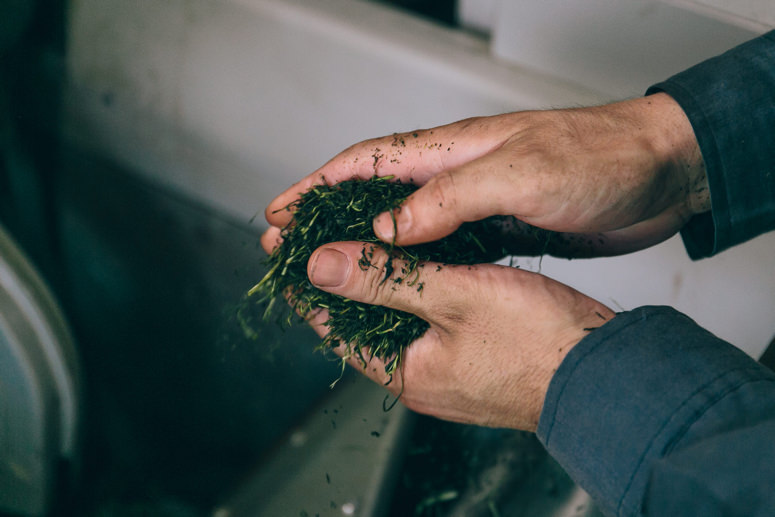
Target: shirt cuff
(730,102)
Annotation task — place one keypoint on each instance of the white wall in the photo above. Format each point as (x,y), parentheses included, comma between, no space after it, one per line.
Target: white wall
(753,13)
(231,101)
(615,46)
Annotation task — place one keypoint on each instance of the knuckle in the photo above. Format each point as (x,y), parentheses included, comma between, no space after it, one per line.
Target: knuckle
(443,188)
(373,286)
(463,310)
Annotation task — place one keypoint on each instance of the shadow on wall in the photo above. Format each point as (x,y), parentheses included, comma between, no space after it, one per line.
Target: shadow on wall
(442,11)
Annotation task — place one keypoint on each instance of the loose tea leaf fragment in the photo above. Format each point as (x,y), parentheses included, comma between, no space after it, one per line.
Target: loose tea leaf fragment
(344,212)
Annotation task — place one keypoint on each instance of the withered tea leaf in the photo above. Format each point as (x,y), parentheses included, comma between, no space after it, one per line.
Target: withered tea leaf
(344,212)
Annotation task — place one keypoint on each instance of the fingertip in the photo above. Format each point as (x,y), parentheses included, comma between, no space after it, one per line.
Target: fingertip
(278,212)
(418,220)
(271,239)
(396,226)
(384,226)
(328,267)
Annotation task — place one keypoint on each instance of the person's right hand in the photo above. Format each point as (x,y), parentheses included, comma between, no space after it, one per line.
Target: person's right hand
(610,179)
(496,335)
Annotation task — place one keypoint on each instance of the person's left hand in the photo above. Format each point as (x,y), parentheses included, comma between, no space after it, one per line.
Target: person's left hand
(497,334)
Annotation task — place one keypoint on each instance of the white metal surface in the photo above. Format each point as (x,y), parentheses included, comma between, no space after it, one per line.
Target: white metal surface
(39,392)
(231,101)
(344,459)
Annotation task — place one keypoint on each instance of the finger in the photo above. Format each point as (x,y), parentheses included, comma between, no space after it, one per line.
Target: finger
(360,272)
(271,239)
(317,321)
(481,188)
(412,157)
(520,238)
(364,362)
(638,236)
(632,238)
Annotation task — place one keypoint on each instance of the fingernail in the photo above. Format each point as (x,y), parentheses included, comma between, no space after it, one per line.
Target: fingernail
(384,226)
(330,268)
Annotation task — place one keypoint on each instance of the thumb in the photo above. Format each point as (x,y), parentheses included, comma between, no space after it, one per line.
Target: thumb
(362,272)
(470,193)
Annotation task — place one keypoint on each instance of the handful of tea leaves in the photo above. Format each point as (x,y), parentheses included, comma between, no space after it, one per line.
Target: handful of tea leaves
(344,212)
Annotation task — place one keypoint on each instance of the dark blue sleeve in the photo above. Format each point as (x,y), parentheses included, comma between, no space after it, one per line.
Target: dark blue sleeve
(730,102)
(650,413)
(653,415)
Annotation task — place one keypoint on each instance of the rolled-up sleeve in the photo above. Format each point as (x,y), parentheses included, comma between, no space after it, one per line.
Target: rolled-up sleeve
(730,102)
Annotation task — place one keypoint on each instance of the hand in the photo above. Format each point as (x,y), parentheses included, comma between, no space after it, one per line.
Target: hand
(612,179)
(496,336)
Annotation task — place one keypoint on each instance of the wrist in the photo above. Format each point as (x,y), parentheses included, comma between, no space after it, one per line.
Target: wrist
(591,318)
(675,144)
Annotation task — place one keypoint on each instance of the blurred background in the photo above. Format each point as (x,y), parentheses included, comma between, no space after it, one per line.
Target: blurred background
(138,140)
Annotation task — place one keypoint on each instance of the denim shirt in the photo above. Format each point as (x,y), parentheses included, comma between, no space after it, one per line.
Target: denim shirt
(650,413)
